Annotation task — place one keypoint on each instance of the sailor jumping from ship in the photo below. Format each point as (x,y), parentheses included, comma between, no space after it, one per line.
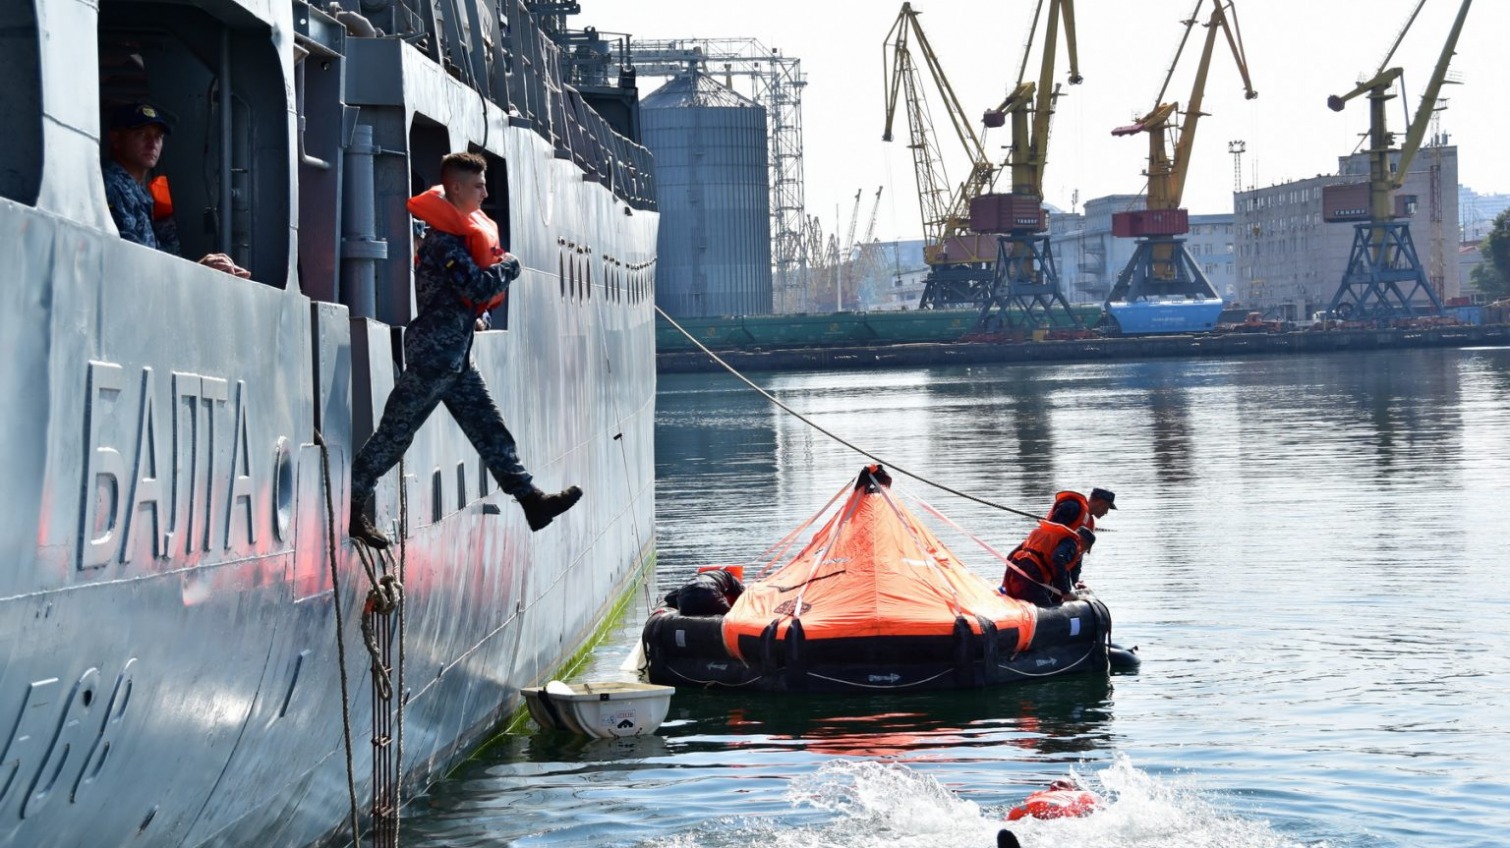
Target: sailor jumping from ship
(461,272)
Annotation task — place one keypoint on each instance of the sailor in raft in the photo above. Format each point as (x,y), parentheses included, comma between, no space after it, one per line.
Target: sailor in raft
(461,272)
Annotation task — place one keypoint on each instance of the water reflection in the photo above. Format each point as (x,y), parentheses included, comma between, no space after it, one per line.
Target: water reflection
(1171,435)
(1066,716)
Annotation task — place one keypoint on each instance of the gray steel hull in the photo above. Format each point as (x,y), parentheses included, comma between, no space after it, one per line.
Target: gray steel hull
(168,643)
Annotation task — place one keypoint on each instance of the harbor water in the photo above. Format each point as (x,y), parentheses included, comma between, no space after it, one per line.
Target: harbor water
(1310,553)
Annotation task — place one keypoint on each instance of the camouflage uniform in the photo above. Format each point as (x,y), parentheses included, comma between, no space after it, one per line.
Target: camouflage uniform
(437,349)
(131,207)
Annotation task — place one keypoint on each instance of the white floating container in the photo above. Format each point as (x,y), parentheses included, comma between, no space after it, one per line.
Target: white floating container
(599,710)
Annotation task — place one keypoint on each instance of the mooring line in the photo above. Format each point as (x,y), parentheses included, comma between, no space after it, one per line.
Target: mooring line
(841,440)
(335,584)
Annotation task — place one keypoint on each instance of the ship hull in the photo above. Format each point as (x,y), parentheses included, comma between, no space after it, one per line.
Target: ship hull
(176,563)
(1148,318)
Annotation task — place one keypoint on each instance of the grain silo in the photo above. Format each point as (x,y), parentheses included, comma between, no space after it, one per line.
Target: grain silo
(712,187)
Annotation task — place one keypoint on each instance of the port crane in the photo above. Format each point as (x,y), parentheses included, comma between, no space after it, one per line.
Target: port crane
(959,261)
(1026,280)
(862,256)
(1383,257)
(1162,288)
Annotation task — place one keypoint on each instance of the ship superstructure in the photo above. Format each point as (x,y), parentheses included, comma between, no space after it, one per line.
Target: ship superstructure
(168,635)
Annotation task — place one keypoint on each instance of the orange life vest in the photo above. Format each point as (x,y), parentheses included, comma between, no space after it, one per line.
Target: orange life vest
(1041,543)
(162,198)
(1085,520)
(1056,804)
(477,229)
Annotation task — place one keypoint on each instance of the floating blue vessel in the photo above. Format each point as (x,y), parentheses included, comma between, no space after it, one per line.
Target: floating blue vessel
(1160,316)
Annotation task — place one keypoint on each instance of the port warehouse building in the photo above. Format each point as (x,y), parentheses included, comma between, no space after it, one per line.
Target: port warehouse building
(1292,261)
(1089,257)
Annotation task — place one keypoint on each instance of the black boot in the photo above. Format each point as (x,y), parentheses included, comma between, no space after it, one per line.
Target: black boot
(540,508)
(363,530)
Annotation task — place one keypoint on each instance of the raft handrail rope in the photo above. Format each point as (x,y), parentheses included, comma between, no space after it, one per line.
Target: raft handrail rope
(982,542)
(841,440)
(335,585)
(844,516)
(774,553)
(928,557)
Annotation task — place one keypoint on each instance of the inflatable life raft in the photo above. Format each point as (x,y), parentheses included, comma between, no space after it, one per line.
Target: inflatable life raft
(874,602)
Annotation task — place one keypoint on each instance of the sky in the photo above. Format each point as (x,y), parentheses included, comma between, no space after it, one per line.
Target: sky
(1299,52)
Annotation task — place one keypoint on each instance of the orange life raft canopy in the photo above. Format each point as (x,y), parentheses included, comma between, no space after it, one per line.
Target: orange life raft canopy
(874,571)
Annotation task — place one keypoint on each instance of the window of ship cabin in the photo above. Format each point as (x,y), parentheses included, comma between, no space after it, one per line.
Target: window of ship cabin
(217,78)
(21,103)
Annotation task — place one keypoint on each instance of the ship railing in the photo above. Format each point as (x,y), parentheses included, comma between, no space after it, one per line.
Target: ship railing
(502,51)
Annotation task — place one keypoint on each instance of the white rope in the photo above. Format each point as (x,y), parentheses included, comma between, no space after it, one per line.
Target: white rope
(809,422)
(1012,566)
(771,555)
(877,686)
(828,544)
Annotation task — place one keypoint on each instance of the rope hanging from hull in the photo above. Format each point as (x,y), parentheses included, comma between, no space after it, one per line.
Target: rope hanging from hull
(382,620)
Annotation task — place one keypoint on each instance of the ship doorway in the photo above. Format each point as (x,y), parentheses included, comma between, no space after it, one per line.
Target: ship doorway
(220,86)
(21,103)
(429,142)
(497,204)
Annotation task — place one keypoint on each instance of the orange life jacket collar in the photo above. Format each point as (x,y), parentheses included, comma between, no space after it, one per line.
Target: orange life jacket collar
(162,198)
(479,231)
(1086,519)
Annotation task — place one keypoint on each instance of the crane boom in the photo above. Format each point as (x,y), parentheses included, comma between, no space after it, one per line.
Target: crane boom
(854,220)
(1030,135)
(1382,178)
(1166,174)
(945,209)
(870,226)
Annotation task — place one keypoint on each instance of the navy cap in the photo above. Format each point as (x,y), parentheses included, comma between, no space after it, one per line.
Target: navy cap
(1106,495)
(135,115)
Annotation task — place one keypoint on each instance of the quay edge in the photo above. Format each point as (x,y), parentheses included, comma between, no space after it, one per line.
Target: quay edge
(1082,350)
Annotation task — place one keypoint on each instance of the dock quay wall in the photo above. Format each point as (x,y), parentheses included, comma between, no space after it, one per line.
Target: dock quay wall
(1086,350)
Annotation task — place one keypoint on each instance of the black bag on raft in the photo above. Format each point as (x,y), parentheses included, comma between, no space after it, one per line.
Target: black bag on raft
(709,593)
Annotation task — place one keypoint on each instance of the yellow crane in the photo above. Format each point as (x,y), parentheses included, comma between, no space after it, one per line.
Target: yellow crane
(1030,107)
(1162,288)
(1384,258)
(959,260)
(1025,287)
(1166,174)
(945,208)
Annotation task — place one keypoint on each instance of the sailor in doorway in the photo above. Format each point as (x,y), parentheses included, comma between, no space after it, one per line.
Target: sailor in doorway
(142,208)
(461,271)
